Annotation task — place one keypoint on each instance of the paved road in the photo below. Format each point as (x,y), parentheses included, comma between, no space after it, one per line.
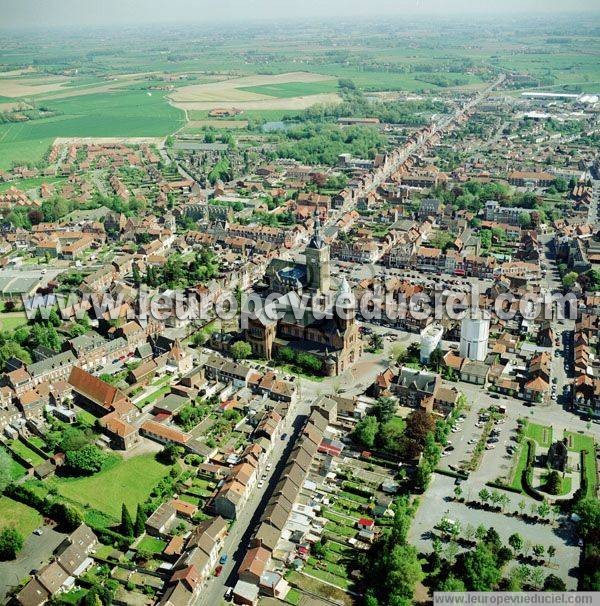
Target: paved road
(236,544)
(36,551)
(241,532)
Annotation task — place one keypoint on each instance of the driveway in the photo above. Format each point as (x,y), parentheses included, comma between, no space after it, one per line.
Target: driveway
(35,553)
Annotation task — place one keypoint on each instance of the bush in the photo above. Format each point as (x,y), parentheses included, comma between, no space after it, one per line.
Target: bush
(11,542)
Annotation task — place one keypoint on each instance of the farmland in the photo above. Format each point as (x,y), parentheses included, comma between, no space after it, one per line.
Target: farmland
(293,89)
(111,114)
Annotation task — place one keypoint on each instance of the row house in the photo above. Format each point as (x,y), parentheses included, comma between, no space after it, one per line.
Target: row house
(53,369)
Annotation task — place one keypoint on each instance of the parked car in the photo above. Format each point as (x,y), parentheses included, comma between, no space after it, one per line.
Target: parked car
(38,531)
(228,594)
(223,559)
(284,436)
(218,571)
(261,484)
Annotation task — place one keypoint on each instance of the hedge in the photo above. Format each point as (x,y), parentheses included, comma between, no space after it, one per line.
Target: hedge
(527,473)
(461,475)
(502,486)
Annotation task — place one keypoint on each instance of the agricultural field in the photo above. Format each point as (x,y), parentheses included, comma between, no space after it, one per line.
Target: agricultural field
(23,518)
(128,481)
(112,114)
(291,91)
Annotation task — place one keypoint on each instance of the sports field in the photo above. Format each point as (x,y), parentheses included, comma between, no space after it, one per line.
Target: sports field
(126,113)
(128,481)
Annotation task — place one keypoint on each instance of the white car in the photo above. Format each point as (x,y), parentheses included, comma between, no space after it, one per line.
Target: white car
(261,484)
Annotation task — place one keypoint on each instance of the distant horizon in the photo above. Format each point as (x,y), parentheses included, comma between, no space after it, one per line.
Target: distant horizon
(53,14)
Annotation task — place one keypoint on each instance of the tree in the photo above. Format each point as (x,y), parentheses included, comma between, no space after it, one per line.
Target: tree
(286,355)
(66,515)
(45,335)
(436,358)
(539,550)
(85,461)
(543,509)
(589,512)
(458,492)
(366,430)
(241,350)
(72,438)
(521,505)
(384,409)
(404,571)
(516,541)
(140,520)
(11,542)
(537,577)
(570,279)
(484,495)
(376,342)
(551,551)
(126,522)
(451,583)
(481,572)
(418,424)
(170,454)
(554,583)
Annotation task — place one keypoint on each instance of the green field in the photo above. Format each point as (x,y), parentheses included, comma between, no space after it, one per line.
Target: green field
(579,442)
(247,115)
(23,518)
(124,113)
(129,481)
(151,545)
(12,320)
(542,434)
(293,89)
(27,184)
(26,453)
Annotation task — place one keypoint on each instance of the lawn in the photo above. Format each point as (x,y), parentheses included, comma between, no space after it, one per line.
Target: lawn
(327,576)
(130,481)
(28,454)
(293,89)
(16,469)
(521,463)
(314,586)
(542,434)
(23,518)
(579,442)
(151,545)
(12,320)
(154,396)
(293,597)
(27,184)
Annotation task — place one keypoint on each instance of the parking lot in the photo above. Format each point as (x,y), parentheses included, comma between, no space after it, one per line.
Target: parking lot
(439,506)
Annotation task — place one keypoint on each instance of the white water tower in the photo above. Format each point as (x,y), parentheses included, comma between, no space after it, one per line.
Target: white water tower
(474,334)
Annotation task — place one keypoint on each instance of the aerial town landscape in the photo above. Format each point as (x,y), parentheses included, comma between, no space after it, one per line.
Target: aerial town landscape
(301,311)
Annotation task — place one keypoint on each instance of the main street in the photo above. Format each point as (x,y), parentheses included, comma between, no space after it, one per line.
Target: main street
(356,379)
